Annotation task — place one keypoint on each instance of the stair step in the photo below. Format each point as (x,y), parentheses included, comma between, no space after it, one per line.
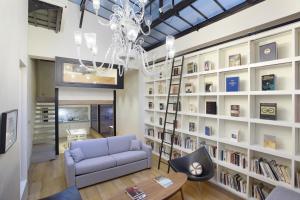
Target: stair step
(44,129)
(43,109)
(43,152)
(44,141)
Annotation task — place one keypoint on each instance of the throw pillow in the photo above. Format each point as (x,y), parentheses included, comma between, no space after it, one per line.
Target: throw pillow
(196,169)
(135,145)
(77,154)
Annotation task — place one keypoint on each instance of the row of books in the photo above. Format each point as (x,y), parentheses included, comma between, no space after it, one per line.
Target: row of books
(235,181)
(259,191)
(270,169)
(211,149)
(190,143)
(233,157)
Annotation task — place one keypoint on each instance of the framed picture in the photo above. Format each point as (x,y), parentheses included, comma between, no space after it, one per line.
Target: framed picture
(268,111)
(8,130)
(268,52)
(208,87)
(69,73)
(235,135)
(208,130)
(270,141)
(235,60)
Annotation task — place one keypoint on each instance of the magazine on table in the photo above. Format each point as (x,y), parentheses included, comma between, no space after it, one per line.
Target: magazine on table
(163,181)
(135,194)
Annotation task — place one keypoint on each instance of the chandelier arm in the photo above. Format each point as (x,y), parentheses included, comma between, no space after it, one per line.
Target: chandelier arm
(78,49)
(145,33)
(99,21)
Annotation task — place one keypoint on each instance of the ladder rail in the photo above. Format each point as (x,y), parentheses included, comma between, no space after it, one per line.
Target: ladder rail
(167,109)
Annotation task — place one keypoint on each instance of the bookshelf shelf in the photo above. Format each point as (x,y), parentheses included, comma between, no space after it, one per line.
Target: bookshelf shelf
(252,129)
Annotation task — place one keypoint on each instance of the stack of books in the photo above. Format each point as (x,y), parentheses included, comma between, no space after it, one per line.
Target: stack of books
(189,143)
(270,169)
(135,194)
(211,149)
(259,191)
(234,181)
(163,181)
(234,157)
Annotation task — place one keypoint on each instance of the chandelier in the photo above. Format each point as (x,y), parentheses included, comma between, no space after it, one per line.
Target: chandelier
(127,26)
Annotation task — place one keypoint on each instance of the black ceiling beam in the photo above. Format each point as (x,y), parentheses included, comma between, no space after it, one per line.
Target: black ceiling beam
(160,31)
(82,9)
(216,18)
(153,37)
(178,7)
(171,26)
(199,12)
(220,5)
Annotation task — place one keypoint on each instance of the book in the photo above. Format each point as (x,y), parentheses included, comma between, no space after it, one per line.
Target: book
(150,105)
(235,135)
(192,127)
(235,60)
(234,181)
(208,130)
(268,82)
(233,84)
(270,141)
(268,52)
(208,87)
(235,110)
(161,106)
(208,65)
(268,111)
(191,67)
(163,181)
(135,194)
(211,107)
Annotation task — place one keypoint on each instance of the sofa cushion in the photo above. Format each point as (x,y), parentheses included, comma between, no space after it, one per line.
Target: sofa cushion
(94,164)
(135,145)
(77,155)
(129,157)
(91,148)
(119,144)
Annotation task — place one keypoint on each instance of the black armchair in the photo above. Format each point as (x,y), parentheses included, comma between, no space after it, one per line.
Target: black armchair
(201,156)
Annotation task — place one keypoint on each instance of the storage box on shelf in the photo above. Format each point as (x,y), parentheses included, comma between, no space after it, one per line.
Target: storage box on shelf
(267,70)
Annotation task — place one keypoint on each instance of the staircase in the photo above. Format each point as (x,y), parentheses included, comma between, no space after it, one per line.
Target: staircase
(44,132)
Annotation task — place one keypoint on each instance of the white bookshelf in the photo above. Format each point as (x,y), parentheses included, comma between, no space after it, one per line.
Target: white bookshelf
(252,129)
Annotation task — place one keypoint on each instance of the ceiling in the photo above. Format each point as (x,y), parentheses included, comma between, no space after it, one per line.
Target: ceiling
(178,17)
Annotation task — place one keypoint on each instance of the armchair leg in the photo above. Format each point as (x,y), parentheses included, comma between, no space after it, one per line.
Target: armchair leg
(181,192)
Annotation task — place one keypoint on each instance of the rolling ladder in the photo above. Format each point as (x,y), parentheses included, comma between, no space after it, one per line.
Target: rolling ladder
(174,75)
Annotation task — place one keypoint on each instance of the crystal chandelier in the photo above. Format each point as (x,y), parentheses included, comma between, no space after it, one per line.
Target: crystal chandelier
(126,24)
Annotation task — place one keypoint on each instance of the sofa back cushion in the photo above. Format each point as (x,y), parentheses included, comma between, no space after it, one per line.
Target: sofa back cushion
(119,144)
(91,148)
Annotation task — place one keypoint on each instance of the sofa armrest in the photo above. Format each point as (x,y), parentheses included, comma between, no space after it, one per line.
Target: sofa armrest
(69,169)
(148,150)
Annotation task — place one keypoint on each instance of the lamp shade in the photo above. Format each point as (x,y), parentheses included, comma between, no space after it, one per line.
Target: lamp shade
(90,39)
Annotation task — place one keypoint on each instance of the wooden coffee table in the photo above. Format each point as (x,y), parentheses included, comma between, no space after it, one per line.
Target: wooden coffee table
(155,191)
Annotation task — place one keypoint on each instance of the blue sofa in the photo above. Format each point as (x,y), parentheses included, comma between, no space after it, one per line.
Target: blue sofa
(105,159)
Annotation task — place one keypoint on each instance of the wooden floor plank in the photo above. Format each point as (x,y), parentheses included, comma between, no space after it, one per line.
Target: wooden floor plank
(48,178)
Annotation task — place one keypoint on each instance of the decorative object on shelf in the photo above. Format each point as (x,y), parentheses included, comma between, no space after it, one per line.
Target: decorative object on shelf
(179,106)
(211,107)
(268,111)
(150,105)
(208,87)
(150,143)
(174,89)
(191,67)
(208,130)
(161,88)
(127,23)
(232,84)
(192,108)
(196,169)
(235,135)
(160,121)
(208,65)
(235,110)
(189,88)
(192,127)
(268,82)
(151,132)
(176,71)
(268,52)
(161,106)
(270,141)
(8,130)
(235,60)
(150,91)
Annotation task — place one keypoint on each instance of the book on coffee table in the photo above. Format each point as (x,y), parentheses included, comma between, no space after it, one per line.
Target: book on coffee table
(135,194)
(163,181)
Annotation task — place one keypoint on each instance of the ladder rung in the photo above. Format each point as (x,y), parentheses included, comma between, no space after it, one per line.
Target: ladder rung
(172,103)
(169,122)
(167,143)
(166,163)
(175,84)
(168,132)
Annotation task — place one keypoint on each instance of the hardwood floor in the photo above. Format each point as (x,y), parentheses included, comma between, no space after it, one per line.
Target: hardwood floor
(48,178)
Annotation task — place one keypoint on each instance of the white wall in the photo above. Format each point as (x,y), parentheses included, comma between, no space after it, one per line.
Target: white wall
(47,44)
(261,13)
(66,93)
(45,78)
(13,41)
